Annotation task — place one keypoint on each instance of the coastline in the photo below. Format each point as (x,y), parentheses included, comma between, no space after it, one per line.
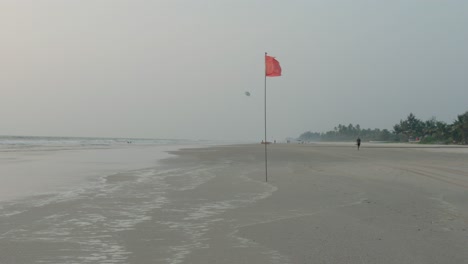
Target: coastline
(28,172)
(339,208)
(322,204)
(333,205)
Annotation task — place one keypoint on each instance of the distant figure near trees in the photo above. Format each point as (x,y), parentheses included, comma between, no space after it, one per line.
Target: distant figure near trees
(358,142)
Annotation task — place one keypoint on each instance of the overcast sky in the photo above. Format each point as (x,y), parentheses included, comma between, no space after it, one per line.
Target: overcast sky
(179,69)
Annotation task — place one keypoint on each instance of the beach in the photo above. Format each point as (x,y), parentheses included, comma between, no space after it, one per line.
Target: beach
(323,203)
(26,172)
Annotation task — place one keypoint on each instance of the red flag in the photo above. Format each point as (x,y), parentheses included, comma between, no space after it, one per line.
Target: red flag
(272,67)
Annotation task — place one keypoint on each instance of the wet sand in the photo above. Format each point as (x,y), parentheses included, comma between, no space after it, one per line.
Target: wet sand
(334,204)
(323,203)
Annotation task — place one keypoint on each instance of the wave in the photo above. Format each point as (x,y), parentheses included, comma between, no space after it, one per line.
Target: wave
(11,143)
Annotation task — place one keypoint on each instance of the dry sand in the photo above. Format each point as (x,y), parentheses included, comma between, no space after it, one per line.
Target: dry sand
(323,203)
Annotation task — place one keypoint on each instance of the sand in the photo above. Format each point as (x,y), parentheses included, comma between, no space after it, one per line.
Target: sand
(323,203)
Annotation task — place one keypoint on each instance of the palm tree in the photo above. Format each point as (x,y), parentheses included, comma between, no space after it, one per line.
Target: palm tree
(460,128)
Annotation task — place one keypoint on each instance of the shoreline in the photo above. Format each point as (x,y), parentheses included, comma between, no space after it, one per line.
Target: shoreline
(321,204)
(29,172)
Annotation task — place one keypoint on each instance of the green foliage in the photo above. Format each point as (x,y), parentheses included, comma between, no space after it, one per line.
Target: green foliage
(459,129)
(411,127)
(433,131)
(309,136)
(429,132)
(349,133)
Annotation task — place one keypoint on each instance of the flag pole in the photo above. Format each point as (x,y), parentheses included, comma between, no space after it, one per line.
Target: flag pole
(266,160)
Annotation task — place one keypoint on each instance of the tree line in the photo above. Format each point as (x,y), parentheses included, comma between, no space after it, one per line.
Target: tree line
(430,131)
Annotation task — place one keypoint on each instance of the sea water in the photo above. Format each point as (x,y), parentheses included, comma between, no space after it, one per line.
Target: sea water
(75,200)
(36,165)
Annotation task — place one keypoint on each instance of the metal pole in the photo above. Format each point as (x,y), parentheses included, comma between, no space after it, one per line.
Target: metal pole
(266,160)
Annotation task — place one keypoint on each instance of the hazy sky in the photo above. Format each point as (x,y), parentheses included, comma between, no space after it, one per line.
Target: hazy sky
(179,69)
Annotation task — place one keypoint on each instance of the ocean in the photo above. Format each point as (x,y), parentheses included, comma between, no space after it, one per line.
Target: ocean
(77,195)
(38,142)
(34,165)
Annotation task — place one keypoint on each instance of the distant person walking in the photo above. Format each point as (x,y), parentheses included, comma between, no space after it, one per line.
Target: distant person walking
(358,143)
